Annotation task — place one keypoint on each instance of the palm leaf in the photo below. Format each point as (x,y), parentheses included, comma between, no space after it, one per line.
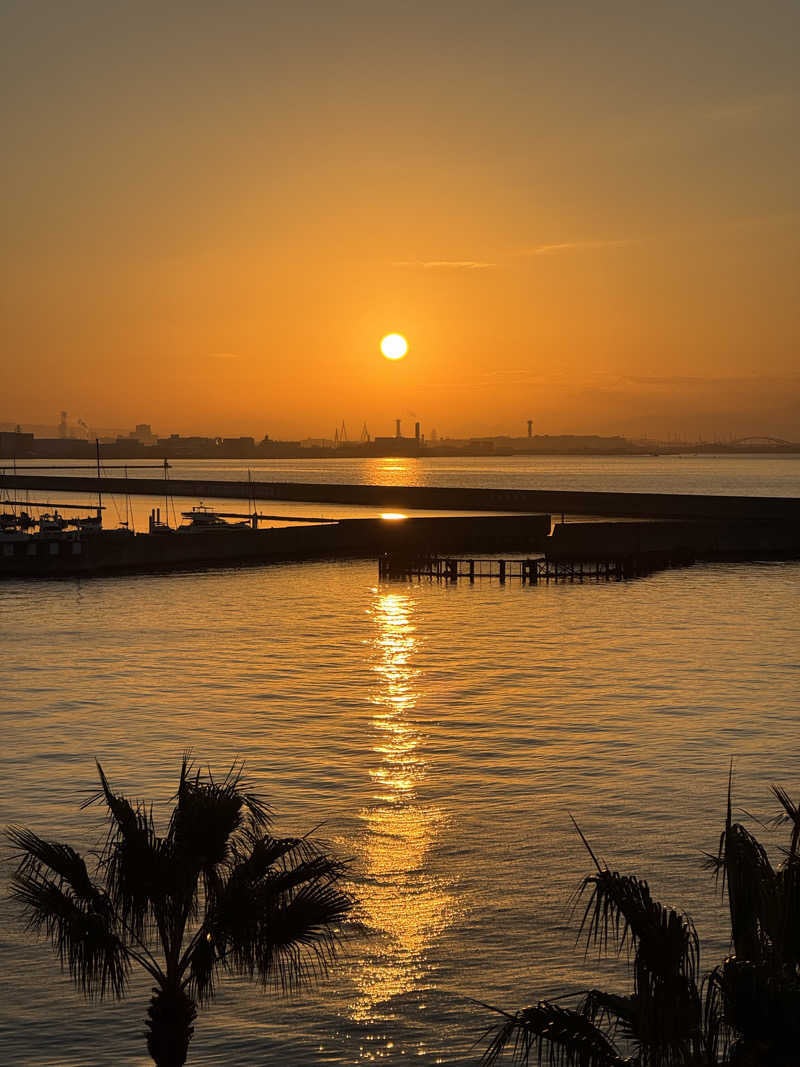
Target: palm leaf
(134,860)
(558,1036)
(618,1011)
(790,814)
(282,926)
(38,856)
(83,936)
(751,885)
(621,908)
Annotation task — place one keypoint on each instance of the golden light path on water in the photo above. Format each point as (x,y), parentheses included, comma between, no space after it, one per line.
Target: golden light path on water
(404,905)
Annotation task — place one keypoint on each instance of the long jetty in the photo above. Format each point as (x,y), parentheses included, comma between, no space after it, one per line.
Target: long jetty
(434,498)
(527,571)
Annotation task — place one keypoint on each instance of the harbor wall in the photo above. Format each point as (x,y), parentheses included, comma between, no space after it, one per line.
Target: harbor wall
(120,550)
(701,539)
(617,505)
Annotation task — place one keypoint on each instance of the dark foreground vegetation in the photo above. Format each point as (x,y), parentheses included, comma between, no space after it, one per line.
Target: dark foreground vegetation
(215,893)
(744,1013)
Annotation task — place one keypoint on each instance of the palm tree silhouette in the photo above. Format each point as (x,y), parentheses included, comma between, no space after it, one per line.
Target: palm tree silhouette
(216,893)
(744,1013)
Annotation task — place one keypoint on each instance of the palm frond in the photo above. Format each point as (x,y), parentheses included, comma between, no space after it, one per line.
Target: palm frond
(209,815)
(546,1032)
(621,908)
(751,885)
(756,1007)
(256,853)
(790,814)
(717,1024)
(134,860)
(83,936)
(663,1017)
(282,927)
(786,934)
(200,966)
(612,1008)
(38,856)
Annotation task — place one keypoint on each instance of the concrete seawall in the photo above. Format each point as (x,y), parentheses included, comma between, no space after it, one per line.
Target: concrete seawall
(698,539)
(629,505)
(120,551)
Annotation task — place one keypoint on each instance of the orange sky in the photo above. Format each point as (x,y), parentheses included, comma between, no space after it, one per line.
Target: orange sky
(586,217)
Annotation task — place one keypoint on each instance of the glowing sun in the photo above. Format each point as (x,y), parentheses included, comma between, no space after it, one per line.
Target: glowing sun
(394,346)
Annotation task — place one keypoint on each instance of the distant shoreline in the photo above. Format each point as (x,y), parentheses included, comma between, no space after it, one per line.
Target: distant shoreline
(85,452)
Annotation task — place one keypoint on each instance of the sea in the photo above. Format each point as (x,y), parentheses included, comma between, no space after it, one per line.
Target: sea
(444,739)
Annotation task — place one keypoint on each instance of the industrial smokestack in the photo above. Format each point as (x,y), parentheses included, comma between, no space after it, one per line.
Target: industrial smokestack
(530,427)
(397,427)
(416,431)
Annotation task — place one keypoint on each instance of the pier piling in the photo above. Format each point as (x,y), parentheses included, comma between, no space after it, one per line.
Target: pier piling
(529,571)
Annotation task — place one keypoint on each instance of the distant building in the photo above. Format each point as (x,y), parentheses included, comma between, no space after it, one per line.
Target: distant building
(395,446)
(237,447)
(143,434)
(316,442)
(176,446)
(16,445)
(63,448)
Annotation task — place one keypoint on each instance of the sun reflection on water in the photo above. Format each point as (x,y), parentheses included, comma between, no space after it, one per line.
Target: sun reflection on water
(405,904)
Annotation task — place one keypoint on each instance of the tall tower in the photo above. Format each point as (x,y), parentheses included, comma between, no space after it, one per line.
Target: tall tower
(62,426)
(397,428)
(530,427)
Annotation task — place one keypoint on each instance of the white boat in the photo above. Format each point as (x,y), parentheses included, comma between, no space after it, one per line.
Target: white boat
(202,518)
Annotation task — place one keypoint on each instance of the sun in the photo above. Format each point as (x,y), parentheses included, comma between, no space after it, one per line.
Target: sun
(394,346)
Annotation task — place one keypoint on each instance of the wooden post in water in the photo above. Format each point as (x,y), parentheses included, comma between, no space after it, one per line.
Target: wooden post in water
(472,571)
(502,571)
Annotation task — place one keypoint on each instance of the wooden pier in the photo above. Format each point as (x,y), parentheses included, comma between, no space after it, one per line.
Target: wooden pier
(527,571)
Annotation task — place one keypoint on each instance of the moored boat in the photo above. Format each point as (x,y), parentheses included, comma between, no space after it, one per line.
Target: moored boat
(202,517)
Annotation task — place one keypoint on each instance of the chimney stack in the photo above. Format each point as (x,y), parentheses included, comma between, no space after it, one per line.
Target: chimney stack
(530,427)
(397,428)
(416,431)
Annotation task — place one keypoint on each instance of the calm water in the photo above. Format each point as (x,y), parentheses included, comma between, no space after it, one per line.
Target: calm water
(443,734)
(756,475)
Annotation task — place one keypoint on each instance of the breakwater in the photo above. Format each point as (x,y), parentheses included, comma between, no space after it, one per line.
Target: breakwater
(674,541)
(571,502)
(122,550)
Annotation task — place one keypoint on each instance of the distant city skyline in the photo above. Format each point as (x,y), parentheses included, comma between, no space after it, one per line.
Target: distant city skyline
(354,433)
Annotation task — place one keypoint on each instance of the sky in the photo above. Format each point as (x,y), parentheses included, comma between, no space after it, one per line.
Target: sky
(583,214)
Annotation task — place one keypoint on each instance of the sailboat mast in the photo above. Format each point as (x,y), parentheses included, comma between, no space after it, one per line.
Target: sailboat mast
(99,490)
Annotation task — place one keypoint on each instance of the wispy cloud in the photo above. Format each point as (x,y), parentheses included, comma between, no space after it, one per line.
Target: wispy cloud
(575,246)
(749,109)
(444,264)
(224,355)
(554,249)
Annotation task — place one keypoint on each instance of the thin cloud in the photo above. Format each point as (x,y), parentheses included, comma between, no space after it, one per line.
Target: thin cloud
(444,264)
(749,108)
(575,246)
(224,355)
